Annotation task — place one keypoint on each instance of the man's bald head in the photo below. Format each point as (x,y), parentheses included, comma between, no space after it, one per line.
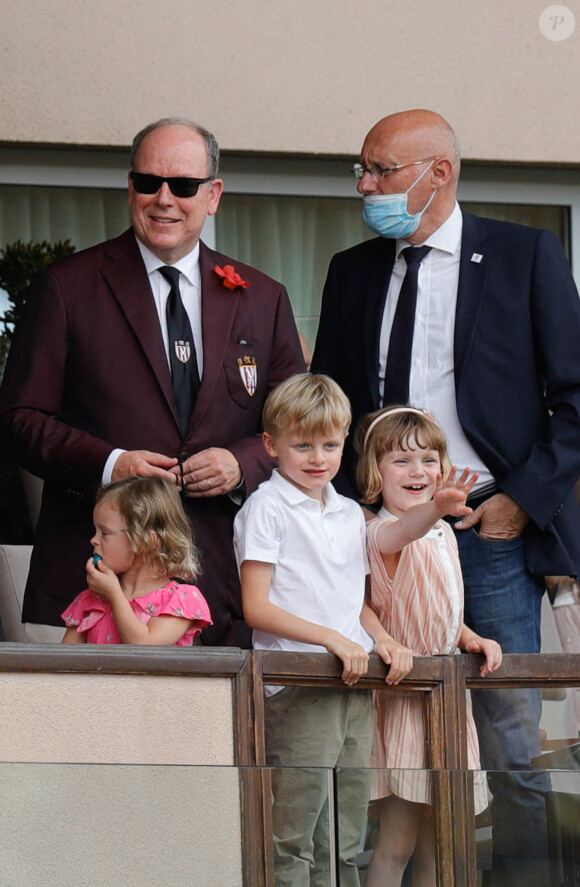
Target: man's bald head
(419,130)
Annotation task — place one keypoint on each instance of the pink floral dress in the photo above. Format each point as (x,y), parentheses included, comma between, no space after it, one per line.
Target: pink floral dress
(93,614)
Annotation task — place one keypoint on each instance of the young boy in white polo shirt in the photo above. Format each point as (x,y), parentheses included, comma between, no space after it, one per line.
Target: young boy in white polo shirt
(301,551)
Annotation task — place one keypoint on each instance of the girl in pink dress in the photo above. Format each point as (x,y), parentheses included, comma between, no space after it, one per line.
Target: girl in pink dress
(138,576)
(417,592)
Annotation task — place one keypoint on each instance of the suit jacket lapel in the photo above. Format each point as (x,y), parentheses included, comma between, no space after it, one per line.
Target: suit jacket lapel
(374,286)
(218,310)
(473,270)
(129,283)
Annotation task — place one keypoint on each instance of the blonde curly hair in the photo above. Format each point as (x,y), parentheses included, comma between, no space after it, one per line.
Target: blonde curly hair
(156,524)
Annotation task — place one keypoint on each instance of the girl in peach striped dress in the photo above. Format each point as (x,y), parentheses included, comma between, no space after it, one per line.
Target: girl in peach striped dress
(417,592)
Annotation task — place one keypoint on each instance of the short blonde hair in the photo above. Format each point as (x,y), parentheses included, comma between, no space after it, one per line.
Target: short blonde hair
(152,505)
(307,403)
(397,427)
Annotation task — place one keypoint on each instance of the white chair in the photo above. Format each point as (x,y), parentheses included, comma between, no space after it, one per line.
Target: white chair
(14,564)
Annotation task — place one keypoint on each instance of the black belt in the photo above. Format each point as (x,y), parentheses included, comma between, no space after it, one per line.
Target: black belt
(475,499)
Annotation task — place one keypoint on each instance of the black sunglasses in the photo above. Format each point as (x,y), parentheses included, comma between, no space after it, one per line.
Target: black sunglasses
(180,186)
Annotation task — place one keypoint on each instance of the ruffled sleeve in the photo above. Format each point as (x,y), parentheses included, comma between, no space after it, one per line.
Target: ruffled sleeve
(175,599)
(86,611)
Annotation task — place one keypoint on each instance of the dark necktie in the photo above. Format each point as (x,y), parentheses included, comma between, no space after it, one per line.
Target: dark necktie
(401,340)
(182,354)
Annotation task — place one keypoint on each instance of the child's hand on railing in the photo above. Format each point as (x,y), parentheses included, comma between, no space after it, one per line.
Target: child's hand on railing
(354,658)
(490,649)
(397,657)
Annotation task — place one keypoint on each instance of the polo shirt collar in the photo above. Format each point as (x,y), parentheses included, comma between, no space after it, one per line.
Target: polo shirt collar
(294,496)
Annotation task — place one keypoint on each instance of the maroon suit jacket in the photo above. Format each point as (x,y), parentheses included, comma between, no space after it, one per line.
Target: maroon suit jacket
(88,372)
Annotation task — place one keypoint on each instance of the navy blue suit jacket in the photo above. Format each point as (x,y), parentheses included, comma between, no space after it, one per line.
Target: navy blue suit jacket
(517,367)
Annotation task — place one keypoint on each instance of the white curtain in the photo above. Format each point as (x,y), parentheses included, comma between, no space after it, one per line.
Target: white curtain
(82,215)
(293,238)
(290,238)
(555,218)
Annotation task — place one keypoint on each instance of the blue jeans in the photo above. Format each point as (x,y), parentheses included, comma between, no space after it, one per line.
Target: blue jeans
(503,601)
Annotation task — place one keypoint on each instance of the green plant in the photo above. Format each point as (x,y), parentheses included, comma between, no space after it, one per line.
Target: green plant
(19,263)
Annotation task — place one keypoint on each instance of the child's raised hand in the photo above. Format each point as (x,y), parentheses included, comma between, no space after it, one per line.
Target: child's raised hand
(354,658)
(398,657)
(451,496)
(490,649)
(102,580)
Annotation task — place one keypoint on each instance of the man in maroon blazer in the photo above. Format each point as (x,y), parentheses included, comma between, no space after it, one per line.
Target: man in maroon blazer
(88,396)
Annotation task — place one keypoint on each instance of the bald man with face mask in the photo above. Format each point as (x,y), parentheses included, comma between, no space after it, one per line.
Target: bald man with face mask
(490,347)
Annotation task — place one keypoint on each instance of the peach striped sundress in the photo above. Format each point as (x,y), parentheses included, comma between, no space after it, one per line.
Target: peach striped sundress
(421,607)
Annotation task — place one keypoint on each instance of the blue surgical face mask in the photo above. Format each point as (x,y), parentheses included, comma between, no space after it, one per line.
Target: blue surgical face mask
(388,215)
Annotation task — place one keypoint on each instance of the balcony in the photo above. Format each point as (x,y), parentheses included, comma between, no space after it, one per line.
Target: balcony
(146,766)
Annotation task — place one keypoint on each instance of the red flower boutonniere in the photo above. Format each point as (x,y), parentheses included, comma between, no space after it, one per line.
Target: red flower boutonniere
(231,278)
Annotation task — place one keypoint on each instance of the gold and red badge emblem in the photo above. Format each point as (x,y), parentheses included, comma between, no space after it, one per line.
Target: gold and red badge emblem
(249,373)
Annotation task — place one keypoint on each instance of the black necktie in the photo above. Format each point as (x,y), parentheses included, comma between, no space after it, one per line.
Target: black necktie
(401,340)
(182,354)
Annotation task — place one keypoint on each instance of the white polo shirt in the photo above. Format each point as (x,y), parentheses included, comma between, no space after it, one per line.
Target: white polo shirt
(318,554)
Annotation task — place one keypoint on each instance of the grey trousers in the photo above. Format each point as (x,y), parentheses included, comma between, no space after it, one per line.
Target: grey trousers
(315,736)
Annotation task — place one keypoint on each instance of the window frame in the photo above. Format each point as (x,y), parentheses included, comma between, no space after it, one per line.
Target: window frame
(299,176)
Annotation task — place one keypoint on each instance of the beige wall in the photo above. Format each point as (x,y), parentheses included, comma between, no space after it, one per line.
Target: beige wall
(116,719)
(82,826)
(98,807)
(300,76)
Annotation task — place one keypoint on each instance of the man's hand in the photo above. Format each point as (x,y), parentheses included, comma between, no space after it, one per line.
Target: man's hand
(211,472)
(144,463)
(499,518)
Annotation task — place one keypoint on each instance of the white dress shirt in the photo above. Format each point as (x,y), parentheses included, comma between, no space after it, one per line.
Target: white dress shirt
(432,382)
(189,287)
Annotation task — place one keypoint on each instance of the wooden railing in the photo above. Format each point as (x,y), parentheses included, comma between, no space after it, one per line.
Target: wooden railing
(442,680)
